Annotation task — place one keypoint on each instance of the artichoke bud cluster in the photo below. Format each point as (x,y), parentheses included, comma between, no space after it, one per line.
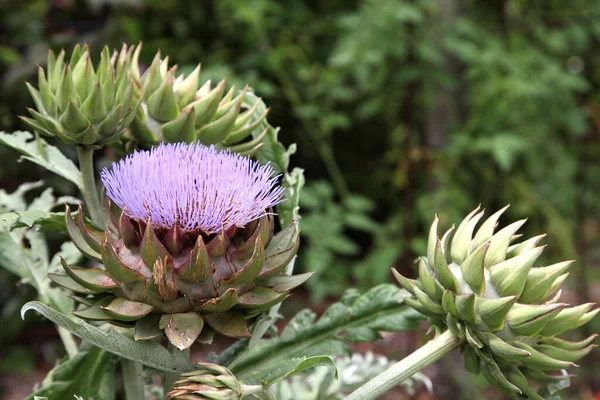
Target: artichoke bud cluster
(486,291)
(188,285)
(210,381)
(176,108)
(80,104)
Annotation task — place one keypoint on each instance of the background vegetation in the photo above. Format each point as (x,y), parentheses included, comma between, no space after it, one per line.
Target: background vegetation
(400,109)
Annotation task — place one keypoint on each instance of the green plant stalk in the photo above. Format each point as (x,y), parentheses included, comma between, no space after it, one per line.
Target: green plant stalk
(402,370)
(170,377)
(90,192)
(259,391)
(133,380)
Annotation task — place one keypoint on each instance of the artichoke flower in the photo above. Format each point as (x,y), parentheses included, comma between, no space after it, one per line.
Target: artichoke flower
(177,109)
(210,381)
(80,105)
(508,313)
(192,251)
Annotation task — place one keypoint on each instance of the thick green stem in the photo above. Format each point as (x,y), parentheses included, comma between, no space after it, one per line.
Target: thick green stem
(421,358)
(90,192)
(169,377)
(248,390)
(133,380)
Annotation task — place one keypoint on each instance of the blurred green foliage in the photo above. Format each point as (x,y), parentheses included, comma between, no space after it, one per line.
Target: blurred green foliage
(400,109)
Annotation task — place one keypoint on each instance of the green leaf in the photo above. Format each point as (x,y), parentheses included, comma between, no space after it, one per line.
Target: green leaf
(81,375)
(31,264)
(297,365)
(379,309)
(29,218)
(37,150)
(16,201)
(288,210)
(148,353)
(272,151)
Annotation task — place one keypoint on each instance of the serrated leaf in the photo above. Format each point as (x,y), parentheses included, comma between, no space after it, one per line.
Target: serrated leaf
(381,308)
(81,375)
(272,150)
(29,218)
(148,353)
(37,150)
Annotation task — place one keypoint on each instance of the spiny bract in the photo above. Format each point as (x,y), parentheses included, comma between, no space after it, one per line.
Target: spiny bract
(80,105)
(176,109)
(210,381)
(193,250)
(487,292)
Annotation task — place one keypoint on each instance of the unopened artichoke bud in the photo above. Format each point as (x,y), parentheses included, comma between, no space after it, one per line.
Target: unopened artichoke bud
(176,108)
(486,291)
(210,381)
(81,105)
(193,250)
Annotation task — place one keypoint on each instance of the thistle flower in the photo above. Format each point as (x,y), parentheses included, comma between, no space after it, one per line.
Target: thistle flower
(191,252)
(177,109)
(487,292)
(79,104)
(210,189)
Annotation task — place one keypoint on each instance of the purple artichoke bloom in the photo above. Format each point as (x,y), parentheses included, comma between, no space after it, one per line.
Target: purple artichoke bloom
(193,245)
(193,186)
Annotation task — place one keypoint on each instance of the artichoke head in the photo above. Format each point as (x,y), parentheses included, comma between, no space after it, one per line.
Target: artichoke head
(210,381)
(488,293)
(178,109)
(188,285)
(79,104)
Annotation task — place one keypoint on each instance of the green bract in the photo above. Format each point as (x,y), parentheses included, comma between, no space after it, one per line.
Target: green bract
(488,293)
(79,104)
(177,109)
(185,284)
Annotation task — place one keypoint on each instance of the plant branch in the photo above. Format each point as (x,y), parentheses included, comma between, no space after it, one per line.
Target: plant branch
(133,380)
(402,370)
(90,192)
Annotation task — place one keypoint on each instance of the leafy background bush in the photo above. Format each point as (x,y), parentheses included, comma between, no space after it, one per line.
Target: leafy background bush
(400,109)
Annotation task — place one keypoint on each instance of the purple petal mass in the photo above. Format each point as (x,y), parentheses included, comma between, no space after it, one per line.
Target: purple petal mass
(194,186)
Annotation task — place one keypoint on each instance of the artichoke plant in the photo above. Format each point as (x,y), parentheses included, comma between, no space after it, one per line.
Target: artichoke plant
(178,109)
(507,313)
(191,248)
(79,104)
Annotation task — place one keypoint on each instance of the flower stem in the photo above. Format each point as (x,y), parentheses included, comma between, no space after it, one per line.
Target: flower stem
(421,358)
(133,380)
(170,377)
(90,192)
(264,392)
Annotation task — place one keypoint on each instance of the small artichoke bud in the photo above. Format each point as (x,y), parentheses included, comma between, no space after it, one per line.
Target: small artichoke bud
(487,292)
(176,108)
(210,381)
(191,250)
(81,105)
